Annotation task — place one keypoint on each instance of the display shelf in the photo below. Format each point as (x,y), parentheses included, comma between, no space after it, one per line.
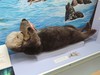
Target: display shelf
(28,65)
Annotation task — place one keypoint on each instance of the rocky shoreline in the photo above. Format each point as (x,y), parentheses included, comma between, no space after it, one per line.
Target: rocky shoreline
(75,2)
(71,14)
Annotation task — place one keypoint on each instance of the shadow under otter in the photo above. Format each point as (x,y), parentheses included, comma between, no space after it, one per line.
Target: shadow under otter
(32,42)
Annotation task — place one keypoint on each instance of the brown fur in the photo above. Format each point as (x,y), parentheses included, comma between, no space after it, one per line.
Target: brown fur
(51,38)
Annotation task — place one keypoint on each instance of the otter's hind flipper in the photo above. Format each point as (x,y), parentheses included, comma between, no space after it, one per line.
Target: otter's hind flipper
(88,33)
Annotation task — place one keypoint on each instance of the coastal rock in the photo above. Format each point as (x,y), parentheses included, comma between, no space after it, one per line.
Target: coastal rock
(87,1)
(74,3)
(71,14)
(80,1)
(79,14)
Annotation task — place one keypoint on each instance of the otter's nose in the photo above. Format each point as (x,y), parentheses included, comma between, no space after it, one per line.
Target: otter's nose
(24,20)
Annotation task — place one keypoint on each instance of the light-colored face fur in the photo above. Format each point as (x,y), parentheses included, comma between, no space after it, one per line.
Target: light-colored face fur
(14,40)
(24,38)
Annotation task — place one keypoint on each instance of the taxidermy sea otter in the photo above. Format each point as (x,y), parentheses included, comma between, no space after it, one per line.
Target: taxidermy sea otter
(32,42)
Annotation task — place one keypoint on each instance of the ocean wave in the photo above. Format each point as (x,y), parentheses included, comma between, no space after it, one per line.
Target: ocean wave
(41,14)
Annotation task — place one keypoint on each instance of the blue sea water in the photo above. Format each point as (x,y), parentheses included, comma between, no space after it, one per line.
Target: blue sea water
(41,14)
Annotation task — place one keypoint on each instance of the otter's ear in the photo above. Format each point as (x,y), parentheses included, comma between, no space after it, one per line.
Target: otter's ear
(30,29)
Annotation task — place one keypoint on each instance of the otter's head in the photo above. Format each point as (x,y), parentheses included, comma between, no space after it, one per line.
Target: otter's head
(27,37)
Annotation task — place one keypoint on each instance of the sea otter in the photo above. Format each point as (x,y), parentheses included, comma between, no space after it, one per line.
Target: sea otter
(34,1)
(33,42)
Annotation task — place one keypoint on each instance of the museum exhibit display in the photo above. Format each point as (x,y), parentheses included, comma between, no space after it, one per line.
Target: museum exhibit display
(51,34)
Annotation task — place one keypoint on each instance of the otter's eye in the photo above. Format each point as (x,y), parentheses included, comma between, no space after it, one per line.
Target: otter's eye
(17,36)
(29,29)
